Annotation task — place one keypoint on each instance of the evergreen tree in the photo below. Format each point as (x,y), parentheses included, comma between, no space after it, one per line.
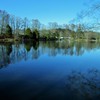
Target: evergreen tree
(35,34)
(28,33)
(8,31)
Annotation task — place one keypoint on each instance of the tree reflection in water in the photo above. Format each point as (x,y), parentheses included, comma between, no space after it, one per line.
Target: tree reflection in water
(84,85)
(5,51)
(12,53)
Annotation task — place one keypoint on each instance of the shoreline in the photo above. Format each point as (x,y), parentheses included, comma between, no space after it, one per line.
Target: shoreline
(25,40)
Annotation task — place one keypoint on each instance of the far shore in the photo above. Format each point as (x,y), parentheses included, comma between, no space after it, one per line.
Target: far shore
(24,40)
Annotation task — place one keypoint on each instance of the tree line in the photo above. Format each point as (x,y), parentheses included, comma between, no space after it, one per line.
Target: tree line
(22,28)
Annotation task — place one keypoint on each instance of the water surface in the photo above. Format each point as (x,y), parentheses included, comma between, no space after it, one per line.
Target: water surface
(50,71)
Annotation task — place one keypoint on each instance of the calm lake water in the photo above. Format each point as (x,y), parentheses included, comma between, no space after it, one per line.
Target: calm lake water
(50,71)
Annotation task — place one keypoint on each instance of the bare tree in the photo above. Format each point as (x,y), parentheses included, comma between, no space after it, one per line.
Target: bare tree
(12,23)
(4,20)
(35,24)
(25,24)
(53,25)
(19,25)
(90,15)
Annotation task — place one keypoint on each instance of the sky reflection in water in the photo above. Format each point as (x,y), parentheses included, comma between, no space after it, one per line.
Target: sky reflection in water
(50,70)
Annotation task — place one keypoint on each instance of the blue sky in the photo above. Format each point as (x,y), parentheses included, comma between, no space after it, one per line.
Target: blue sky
(61,11)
